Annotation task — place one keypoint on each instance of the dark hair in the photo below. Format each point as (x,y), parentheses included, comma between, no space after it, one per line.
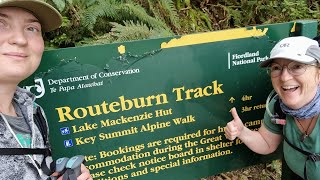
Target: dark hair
(317,38)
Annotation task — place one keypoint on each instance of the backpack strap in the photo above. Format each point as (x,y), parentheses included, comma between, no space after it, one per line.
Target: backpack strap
(310,156)
(24,151)
(47,165)
(42,125)
(278,111)
(279,116)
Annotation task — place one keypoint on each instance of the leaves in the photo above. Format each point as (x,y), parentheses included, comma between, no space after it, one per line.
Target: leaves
(97,20)
(170,10)
(60,4)
(266,171)
(136,31)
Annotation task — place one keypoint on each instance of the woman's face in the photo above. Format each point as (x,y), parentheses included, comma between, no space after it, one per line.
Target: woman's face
(295,90)
(21,44)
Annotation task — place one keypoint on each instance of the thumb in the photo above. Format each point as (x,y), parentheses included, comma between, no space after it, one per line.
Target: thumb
(235,115)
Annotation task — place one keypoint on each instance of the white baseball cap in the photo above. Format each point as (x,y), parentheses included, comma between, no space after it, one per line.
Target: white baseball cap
(299,48)
(48,16)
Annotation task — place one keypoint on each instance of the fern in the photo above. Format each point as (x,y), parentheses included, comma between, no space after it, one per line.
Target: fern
(154,10)
(135,31)
(99,9)
(130,31)
(104,39)
(88,21)
(160,33)
(60,4)
(171,11)
(207,20)
(134,10)
(115,11)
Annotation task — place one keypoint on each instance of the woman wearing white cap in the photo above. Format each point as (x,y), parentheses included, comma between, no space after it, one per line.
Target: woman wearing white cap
(21,46)
(295,74)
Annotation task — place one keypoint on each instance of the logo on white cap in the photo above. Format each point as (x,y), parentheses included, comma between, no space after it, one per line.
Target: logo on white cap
(284,45)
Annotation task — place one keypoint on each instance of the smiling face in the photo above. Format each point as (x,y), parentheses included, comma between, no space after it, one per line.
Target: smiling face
(21,44)
(296,90)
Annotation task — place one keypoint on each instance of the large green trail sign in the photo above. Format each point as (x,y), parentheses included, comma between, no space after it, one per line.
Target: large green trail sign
(156,109)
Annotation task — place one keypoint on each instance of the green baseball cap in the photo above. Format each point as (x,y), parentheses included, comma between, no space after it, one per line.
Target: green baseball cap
(48,16)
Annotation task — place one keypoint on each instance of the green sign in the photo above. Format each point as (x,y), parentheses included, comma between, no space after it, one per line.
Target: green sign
(156,109)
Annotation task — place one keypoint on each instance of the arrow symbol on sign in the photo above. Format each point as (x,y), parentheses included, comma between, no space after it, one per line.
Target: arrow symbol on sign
(231,99)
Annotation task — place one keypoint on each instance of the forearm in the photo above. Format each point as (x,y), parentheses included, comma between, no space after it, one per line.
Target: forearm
(262,141)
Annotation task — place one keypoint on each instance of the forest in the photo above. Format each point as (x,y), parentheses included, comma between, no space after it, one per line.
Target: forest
(87,22)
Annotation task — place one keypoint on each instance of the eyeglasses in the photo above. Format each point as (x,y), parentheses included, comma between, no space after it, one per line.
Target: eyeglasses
(294,68)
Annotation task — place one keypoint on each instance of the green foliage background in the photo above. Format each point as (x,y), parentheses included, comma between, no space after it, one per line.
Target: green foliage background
(87,22)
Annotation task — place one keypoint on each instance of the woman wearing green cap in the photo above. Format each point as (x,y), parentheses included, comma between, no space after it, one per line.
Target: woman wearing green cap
(292,114)
(21,46)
